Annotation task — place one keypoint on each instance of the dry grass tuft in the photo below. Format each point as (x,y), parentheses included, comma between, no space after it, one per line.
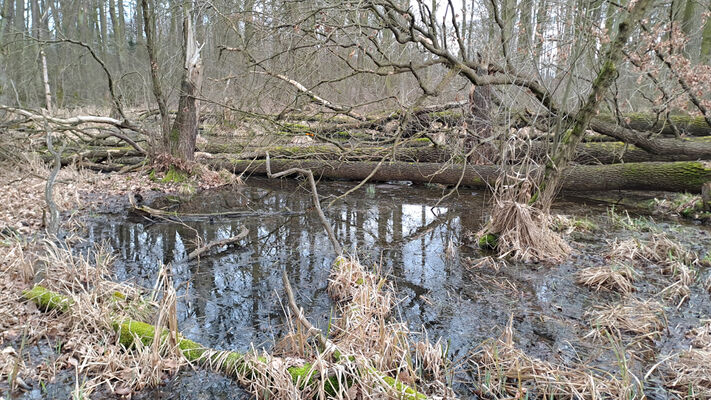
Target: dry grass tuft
(523,231)
(88,343)
(268,377)
(688,374)
(616,278)
(642,319)
(673,260)
(505,371)
(371,340)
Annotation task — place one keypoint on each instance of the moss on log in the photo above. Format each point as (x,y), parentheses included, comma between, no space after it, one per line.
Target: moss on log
(687,124)
(48,300)
(672,176)
(228,362)
(586,153)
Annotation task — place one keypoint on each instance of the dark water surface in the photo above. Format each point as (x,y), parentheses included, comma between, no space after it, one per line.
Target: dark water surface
(231,300)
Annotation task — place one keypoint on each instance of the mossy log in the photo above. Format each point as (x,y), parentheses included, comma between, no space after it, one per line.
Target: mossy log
(673,176)
(47,300)
(645,122)
(228,362)
(586,153)
(95,154)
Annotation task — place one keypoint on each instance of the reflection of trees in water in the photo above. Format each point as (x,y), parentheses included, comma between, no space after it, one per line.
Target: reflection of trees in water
(232,296)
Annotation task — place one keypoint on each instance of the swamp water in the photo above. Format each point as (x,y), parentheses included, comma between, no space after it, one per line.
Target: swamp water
(232,298)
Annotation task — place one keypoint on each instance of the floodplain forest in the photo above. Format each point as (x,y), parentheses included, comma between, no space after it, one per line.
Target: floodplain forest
(371,199)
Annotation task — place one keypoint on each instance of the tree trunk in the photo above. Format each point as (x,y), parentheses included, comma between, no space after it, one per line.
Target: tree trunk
(479,143)
(149,29)
(683,176)
(185,128)
(565,148)
(586,153)
(706,40)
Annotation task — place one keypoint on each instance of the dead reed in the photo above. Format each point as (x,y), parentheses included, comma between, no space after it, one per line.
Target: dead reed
(617,277)
(522,231)
(641,319)
(504,371)
(88,342)
(670,258)
(688,374)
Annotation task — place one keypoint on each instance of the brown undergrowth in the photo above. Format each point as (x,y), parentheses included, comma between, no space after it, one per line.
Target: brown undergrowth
(504,371)
(37,346)
(688,373)
(664,256)
(82,341)
(366,349)
(23,208)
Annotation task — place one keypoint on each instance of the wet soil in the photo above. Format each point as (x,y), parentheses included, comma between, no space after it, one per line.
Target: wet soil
(231,299)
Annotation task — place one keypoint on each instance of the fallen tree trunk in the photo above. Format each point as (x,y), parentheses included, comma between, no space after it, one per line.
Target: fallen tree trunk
(587,153)
(672,176)
(645,122)
(686,124)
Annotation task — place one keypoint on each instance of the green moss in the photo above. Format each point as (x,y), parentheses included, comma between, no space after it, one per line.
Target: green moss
(47,300)
(129,331)
(488,241)
(174,135)
(445,116)
(294,128)
(405,391)
(175,175)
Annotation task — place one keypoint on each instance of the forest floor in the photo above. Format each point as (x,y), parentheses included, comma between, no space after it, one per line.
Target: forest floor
(649,289)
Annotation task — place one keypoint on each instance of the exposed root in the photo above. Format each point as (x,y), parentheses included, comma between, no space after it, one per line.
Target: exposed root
(617,278)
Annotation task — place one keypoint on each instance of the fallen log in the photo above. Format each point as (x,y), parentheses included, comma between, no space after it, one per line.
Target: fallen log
(587,153)
(645,122)
(672,176)
(686,124)
(228,362)
(95,154)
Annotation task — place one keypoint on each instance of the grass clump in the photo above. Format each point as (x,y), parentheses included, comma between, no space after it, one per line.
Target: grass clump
(626,222)
(521,230)
(688,373)
(641,319)
(671,260)
(568,224)
(616,278)
(504,371)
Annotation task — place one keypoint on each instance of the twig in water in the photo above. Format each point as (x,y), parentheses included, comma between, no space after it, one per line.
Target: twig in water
(217,243)
(314,195)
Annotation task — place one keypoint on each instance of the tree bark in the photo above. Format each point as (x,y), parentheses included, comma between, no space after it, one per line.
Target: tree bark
(185,128)
(149,29)
(686,176)
(565,147)
(586,153)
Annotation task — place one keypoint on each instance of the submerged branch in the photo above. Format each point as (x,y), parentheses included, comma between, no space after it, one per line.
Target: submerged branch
(314,194)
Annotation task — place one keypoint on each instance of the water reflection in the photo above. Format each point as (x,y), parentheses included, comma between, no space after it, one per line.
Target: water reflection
(232,299)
